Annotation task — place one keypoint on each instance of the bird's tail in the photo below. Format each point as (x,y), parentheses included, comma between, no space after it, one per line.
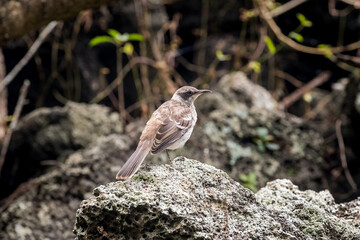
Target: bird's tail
(133,163)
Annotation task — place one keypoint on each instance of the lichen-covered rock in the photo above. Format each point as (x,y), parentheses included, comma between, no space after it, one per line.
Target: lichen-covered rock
(52,134)
(241,89)
(242,133)
(47,132)
(45,207)
(314,213)
(192,200)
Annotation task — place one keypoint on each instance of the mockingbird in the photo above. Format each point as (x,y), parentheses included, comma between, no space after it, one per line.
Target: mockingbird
(169,127)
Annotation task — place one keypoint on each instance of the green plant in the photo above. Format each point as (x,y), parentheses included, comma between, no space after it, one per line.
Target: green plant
(122,42)
(264,141)
(116,38)
(249,181)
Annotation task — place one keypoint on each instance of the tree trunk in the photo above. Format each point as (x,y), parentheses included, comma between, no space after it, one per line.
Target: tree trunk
(18,17)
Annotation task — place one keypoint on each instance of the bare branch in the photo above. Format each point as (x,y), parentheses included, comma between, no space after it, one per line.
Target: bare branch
(267,16)
(355,3)
(343,156)
(30,53)
(3,99)
(320,79)
(19,105)
(286,7)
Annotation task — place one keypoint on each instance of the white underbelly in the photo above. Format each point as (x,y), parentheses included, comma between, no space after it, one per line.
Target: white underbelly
(180,143)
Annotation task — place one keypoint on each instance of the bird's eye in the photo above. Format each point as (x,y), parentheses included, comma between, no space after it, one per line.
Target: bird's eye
(186,94)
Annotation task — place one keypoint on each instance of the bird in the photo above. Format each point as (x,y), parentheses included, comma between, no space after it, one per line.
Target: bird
(169,127)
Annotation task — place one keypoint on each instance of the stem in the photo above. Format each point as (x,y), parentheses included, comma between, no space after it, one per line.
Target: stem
(120,78)
(19,105)
(47,30)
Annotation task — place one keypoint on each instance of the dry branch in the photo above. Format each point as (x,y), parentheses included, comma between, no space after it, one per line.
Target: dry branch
(286,7)
(3,99)
(343,156)
(297,94)
(267,16)
(28,55)
(19,105)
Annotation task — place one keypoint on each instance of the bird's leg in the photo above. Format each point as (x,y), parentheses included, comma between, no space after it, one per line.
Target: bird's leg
(168,155)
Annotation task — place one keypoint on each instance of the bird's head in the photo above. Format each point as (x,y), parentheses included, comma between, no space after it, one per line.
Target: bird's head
(188,94)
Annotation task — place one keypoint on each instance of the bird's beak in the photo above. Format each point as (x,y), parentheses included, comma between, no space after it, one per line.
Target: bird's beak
(204,91)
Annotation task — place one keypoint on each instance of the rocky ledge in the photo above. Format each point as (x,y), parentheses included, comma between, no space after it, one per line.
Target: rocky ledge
(192,200)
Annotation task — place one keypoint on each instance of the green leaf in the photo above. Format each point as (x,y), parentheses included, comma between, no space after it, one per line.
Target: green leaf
(128,49)
(100,39)
(261,148)
(326,49)
(135,37)
(324,46)
(297,36)
(272,146)
(291,171)
(270,45)
(222,57)
(243,177)
(255,66)
(262,132)
(252,177)
(121,38)
(249,181)
(114,33)
(303,21)
(249,13)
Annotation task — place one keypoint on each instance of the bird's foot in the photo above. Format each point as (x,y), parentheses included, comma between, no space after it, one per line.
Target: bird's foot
(168,155)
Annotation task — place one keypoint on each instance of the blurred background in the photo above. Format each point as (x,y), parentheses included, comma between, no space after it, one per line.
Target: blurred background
(301,57)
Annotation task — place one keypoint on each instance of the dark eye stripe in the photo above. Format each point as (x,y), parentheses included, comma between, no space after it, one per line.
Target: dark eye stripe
(186,95)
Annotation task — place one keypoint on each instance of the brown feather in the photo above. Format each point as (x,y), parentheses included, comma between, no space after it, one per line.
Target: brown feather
(176,119)
(133,163)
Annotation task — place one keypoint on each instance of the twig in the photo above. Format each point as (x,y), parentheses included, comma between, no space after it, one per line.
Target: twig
(355,61)
(144,71)
(343,155)
(19,191)
(266,15)
(319,107)
(261,45)
(289,78)
(3,100)
(125,70)
(190,66)
(19,105)
(338,13)
(30,53)
(344,65)
(294,96)
(355,3)
(286,7)
(201,57)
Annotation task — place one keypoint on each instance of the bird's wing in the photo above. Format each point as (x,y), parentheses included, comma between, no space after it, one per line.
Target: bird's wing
(176,120)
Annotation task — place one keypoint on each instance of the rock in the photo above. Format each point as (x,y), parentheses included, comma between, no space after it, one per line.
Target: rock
(45,207)
(58,129)
(192,200)
(314,213)
(53,133)
(241,132)
(226,136)
(241,89)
